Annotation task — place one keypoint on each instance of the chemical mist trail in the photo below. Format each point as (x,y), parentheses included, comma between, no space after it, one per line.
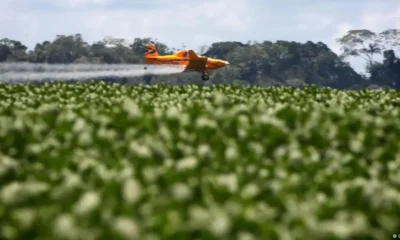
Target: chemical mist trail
(17,72)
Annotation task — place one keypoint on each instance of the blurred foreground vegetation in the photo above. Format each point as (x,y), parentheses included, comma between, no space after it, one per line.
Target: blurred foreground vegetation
(102,161)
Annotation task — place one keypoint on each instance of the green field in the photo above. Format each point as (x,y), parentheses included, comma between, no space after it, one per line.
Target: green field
(103,161)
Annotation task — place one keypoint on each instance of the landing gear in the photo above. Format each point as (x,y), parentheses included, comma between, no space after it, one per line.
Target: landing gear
(205,77)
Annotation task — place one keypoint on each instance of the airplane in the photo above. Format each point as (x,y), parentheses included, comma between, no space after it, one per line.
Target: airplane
(187,58)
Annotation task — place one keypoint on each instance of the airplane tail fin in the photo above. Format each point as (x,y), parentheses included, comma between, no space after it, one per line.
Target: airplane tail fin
(151,51)
(193,55)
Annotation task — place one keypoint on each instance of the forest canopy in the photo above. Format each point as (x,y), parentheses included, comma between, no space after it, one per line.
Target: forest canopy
(280,63)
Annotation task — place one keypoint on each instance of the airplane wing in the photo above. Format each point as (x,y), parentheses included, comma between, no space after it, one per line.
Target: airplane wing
(196,62)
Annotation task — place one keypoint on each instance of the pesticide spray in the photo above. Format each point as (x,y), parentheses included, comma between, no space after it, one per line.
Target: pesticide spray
(22,72)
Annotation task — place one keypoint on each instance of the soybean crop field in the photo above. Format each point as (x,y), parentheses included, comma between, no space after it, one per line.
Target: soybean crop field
(103,161)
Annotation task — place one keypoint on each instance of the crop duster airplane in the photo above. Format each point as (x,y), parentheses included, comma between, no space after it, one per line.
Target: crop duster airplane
(186,58)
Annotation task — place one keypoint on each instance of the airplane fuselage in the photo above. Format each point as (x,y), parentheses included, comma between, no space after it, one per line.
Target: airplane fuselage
(172,59)
(185,58)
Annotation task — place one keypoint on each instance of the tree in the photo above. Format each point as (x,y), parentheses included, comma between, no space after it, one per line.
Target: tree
(393,63)
(12,50)
(139,44)
(203,49)
(115,42)
(105,54)
(66,49)
(254,63)
(360,43)
(386,73)
(5,51)
(40,52)
(391,38)
(221,49)
(285,62)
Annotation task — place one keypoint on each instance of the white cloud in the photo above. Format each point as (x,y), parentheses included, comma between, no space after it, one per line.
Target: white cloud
(341,30)
(312,21)
(76,3)
(176,23)
(232,14)
(380,20)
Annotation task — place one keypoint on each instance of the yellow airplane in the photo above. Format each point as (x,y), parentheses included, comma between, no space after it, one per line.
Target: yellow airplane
(186,58)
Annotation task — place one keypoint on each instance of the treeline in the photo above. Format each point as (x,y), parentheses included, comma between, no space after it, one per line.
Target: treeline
(267,63)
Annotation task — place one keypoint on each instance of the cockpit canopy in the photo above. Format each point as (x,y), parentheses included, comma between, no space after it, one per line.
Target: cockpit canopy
(182,54)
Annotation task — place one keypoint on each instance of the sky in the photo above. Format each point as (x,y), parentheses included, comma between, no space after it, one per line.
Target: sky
(196,22)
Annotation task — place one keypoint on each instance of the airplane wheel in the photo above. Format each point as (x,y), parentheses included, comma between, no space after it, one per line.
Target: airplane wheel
(205,77)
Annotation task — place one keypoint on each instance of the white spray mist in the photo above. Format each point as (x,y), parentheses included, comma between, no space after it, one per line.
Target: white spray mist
(17,72)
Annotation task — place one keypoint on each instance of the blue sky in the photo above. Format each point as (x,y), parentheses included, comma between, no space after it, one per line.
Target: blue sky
(196,22)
